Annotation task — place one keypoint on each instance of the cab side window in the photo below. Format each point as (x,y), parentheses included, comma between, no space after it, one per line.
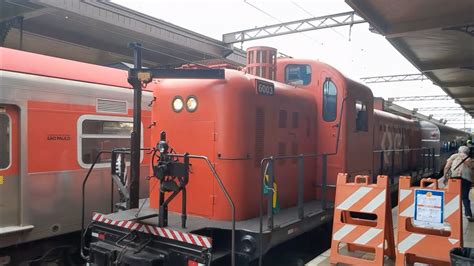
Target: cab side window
(298,74)
(361,116)
(5,140)
(329,100)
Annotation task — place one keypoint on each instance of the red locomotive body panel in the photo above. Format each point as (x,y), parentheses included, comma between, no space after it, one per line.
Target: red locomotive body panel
(236,127)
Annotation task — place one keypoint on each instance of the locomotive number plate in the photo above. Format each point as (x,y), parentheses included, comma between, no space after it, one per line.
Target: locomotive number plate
(265,88)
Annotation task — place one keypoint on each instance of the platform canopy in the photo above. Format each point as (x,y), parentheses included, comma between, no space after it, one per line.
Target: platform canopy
(436,36)
(98,32)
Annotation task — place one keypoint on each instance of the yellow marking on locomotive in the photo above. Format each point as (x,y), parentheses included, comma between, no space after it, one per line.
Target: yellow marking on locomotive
(1,179)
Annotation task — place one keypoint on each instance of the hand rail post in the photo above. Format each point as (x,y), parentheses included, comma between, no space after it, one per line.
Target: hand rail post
(324,181)
(433,160)
(392,168)
(382,162)
(301,187)
(422,161)
(270,193)
(262,187)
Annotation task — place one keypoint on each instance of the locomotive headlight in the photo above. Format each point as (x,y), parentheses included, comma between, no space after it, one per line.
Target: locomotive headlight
(191,104)
(178,104)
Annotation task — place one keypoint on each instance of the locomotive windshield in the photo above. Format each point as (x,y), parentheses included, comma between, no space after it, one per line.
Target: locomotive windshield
(298,74)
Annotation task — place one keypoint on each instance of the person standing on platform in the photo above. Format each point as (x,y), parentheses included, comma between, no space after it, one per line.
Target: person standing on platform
(459,166)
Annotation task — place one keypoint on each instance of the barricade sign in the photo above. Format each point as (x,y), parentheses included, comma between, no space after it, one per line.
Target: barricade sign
(429,221)
(362,221)
(429,208)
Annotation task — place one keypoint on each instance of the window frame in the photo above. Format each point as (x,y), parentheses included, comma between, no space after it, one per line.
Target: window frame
(80,136)
(10,141)
(310,76)
(327,80)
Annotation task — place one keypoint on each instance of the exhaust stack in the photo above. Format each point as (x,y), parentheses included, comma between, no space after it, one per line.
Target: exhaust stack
(261,61)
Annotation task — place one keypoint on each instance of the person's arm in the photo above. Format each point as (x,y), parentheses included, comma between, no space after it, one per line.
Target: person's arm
(448,164)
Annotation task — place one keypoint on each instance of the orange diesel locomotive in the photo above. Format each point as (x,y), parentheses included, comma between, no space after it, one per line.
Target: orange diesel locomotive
(246,160)
(55,116)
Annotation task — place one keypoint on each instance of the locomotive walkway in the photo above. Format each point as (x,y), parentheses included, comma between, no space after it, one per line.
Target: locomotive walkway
(468,232)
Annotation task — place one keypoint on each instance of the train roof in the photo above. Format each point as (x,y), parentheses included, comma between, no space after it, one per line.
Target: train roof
(452,130)
(42,65)
(387,115)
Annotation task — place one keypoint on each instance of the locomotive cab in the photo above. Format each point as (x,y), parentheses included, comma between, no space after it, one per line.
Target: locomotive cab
(344,114)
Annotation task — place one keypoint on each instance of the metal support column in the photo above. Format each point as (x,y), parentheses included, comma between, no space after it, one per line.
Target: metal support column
(136,133)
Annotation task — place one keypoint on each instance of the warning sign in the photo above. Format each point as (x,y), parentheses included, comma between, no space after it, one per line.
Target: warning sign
(429,208)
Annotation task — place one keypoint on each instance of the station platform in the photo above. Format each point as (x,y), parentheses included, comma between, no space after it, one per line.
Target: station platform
(468,236)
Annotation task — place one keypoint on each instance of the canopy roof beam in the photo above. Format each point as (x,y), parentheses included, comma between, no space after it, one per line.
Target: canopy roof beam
(316,23)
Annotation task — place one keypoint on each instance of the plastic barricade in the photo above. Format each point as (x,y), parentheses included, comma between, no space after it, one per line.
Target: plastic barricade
(362,221)
(425,243)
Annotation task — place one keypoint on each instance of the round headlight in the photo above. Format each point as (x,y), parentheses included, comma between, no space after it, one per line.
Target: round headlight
(191,104)
(178,104)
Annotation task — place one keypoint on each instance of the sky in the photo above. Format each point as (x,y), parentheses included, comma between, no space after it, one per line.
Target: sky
(361,53)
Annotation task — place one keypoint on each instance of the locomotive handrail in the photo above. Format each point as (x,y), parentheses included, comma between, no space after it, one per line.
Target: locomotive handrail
(268,161)
(86,257)
(300,181)
(398,150)
(83,232)
(224,190)
(423,152)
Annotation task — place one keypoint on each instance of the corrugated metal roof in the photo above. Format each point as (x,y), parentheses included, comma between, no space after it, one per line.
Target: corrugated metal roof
(436,36)
(98,32)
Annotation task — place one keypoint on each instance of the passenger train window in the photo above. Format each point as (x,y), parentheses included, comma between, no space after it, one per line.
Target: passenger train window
(329,100)
(298,74)
(97,133)
(361,116)
(5,141)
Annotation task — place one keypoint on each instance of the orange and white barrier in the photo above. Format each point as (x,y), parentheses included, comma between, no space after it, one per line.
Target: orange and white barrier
(422,244)
(356,201)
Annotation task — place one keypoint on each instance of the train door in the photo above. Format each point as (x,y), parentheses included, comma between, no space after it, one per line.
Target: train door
(329,126)
(9,166)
